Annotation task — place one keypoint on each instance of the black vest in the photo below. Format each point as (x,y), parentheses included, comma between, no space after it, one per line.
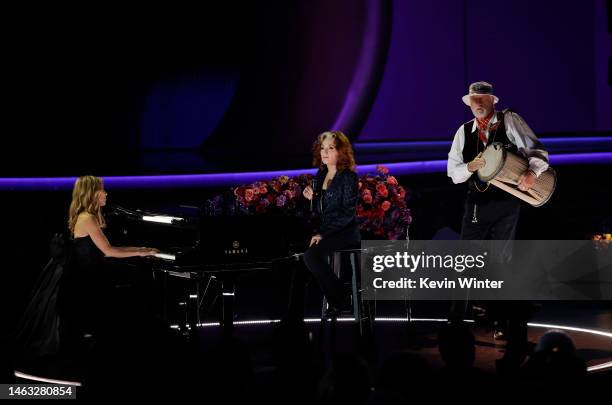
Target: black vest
(472,146)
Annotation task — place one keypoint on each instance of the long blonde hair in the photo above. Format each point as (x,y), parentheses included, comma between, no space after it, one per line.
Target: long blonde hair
(85,198)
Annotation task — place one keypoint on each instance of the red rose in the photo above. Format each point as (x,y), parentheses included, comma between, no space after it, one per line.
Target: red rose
(381,189)
(248,194)
(367,198)
(263,190)
(385,205)
(392,180)
(382,169)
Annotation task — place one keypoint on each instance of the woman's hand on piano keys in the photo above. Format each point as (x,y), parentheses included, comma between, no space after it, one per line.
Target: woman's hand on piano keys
(146,251)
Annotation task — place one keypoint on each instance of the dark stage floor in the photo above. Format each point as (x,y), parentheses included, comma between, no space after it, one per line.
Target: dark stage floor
(259,352)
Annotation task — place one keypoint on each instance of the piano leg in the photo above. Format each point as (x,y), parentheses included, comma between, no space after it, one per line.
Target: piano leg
(193,307)
(227,303)
(164,302)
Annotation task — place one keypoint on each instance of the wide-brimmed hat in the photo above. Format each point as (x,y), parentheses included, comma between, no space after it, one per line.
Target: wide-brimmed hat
(480,89)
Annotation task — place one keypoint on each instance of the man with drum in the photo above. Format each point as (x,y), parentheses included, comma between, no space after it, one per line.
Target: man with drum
(491,213)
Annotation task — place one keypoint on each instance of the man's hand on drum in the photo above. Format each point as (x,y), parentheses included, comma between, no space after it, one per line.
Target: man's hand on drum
(527,180)
(476,164)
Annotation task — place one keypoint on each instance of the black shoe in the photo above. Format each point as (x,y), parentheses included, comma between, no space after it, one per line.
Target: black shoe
(344,308)
(499,331)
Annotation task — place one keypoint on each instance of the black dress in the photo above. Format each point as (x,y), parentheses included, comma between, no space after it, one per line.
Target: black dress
(37,334)
(65,302)
(81,293)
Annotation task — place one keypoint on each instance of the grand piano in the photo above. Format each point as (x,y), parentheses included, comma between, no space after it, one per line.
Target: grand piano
(202,256)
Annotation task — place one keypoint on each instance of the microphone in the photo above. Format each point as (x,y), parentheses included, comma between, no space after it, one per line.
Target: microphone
(119,210)
(314,192)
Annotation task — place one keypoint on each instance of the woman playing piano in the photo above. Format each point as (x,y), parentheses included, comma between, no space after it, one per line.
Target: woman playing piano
(334,195)
(82,287)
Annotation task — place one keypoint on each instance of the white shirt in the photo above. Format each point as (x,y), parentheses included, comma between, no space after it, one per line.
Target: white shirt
(518,133)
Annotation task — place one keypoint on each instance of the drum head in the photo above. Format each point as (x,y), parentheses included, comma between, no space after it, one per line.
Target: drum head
(494,157)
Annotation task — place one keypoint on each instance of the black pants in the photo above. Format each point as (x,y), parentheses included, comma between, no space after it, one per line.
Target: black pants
(316,263)
(497,220)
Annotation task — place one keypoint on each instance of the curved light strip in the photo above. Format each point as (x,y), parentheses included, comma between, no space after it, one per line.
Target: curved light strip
(597,367)
(229,179)
(31,377)
(572,328)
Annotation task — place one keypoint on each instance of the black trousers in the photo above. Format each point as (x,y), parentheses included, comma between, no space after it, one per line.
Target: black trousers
(493,219)
(490,220)
(316,263)
(496,220)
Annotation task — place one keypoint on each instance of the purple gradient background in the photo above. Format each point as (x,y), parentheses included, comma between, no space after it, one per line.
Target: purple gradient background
(541,57)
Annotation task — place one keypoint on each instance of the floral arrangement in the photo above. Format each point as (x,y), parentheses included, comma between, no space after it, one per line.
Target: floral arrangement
(280,195)
(381,211)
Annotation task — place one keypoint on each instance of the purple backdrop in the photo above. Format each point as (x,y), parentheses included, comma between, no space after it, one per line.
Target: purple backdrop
(541,56)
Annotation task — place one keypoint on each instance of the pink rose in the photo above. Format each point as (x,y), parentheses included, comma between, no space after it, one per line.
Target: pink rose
(248,194)
(385,205)
(392,180)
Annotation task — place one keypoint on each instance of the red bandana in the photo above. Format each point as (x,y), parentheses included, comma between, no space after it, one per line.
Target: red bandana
(482,127)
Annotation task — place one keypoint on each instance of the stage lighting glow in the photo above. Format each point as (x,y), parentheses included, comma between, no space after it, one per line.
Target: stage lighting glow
(165,256)
(162,219)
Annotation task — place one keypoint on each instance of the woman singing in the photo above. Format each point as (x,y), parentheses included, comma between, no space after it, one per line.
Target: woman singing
(334,195)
